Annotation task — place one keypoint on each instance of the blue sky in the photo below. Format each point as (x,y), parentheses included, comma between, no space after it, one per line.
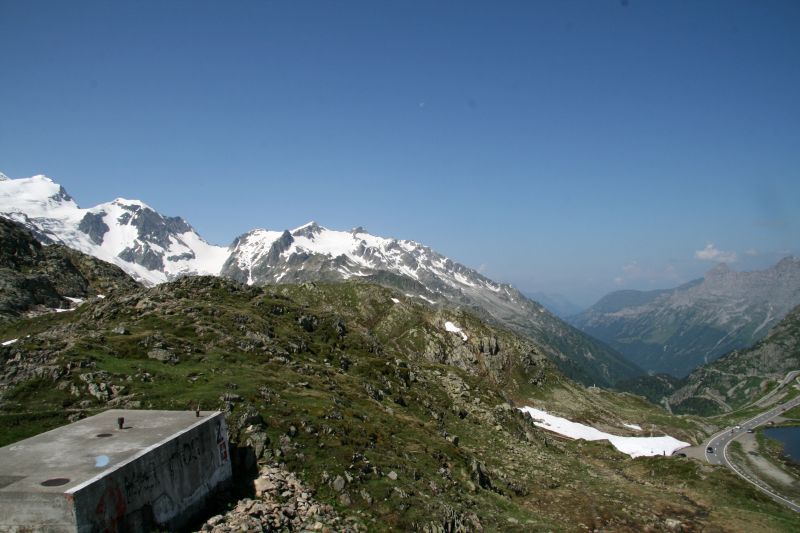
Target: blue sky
(570,147)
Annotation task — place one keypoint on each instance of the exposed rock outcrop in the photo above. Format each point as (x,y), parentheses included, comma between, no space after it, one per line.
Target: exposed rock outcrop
(281,503)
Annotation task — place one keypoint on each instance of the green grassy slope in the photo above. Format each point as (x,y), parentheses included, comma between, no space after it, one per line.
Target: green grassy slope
(339,380)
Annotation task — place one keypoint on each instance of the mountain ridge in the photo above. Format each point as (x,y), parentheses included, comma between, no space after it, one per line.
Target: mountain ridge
(154,249)
(558,304)
(675,330)
(731,382)
(742,376)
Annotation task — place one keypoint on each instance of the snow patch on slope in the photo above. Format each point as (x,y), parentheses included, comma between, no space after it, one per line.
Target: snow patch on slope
(452,328)
(633,446)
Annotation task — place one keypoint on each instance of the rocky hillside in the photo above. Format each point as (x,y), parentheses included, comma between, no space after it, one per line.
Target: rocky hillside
(312,253)
(654,387)
(730,382)
(153,248)
(368,410)
(742,376)
(674,331)
(36,278)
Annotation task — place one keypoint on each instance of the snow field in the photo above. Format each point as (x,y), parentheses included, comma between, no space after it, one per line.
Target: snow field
(633,446)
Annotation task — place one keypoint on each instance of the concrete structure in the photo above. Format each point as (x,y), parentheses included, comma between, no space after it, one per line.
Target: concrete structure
(156,471)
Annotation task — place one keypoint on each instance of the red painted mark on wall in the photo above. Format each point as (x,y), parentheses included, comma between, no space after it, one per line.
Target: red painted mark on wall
(110,509)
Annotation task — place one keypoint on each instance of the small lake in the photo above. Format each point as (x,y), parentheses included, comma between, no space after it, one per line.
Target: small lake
(789,437)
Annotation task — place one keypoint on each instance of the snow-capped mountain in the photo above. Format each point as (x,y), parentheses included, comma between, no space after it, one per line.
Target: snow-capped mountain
(312,252)
(129,233)
(267,256)
(153,249)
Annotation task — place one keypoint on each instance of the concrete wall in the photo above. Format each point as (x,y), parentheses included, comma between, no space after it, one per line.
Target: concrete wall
(162,486)
(31,512)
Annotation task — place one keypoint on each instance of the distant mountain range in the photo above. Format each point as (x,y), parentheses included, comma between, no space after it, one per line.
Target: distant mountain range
(558,304)
(675,330)
(153,248)
(742,376)
(732,381)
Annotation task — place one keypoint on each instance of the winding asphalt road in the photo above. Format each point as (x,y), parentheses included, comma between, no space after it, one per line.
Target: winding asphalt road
(719,446)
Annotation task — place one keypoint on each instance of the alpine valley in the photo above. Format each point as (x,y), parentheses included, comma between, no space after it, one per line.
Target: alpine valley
(673,331)
(154,249)
(734,380)
(354,407)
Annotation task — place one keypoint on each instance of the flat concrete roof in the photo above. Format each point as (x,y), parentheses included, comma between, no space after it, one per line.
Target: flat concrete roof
(88,449)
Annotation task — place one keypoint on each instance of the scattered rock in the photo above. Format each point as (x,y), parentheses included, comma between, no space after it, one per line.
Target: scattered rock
(454,522)
(230,397)
(479,474)
(163,355)
(339,327)
(339,482)
(283,503)
(308,323)
(673,524)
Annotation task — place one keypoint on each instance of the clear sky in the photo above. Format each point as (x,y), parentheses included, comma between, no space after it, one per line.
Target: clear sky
(573,147)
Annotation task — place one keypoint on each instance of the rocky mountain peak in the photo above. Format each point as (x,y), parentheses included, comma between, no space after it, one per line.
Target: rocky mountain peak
(788,263)
(308,230)
(33,197)
(283,243)
(718,271)
(127,203)
(59,192)
(3,177)
(160,248)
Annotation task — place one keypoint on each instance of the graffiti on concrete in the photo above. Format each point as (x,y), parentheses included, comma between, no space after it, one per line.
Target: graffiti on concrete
(110,508)
(163,482)
(138,483)
(222,444)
